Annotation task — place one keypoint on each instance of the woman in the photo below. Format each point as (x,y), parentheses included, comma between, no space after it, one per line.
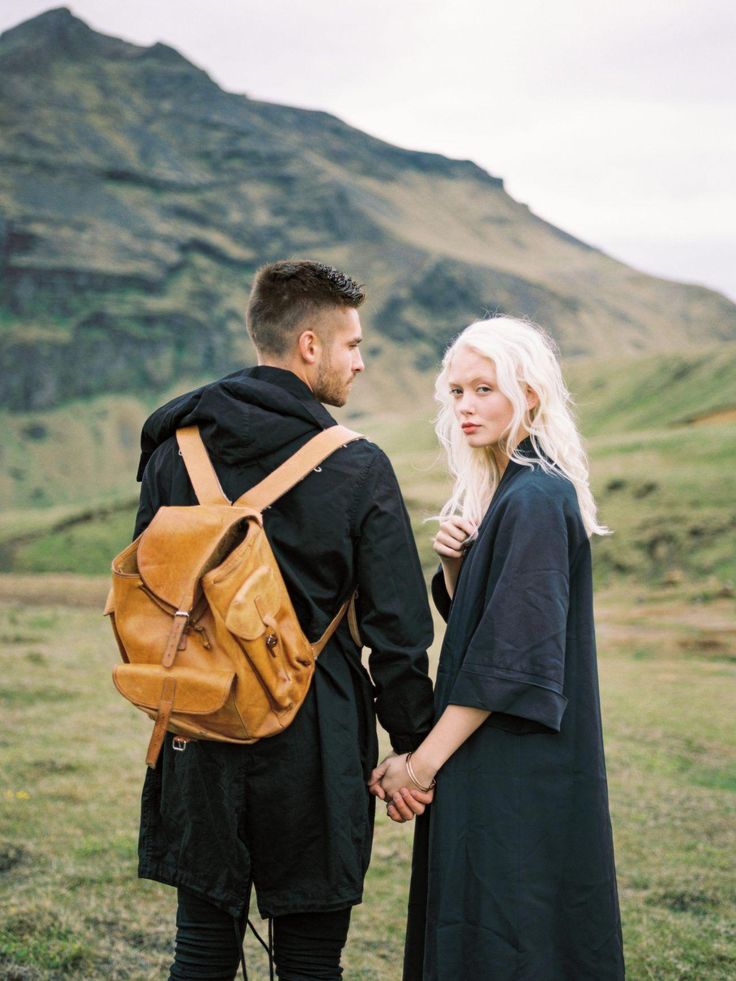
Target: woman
(513,873)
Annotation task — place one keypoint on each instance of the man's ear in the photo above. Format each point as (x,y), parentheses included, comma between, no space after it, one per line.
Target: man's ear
(309,346)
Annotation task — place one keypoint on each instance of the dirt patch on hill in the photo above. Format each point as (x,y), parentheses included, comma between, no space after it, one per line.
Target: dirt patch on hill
(659,627)
(716,417)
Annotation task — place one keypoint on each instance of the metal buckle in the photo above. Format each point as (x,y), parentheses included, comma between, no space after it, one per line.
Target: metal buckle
(179,743)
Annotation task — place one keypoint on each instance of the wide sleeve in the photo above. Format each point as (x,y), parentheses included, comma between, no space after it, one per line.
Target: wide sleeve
(442,599)
(515,661)
(393,610)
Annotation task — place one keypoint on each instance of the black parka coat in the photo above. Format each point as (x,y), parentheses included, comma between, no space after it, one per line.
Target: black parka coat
(513,876)
(291,814)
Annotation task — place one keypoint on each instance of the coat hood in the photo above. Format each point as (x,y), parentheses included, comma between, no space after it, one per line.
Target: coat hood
(244,416)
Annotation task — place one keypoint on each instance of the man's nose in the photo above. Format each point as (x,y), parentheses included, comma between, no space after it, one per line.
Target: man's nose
(358,362)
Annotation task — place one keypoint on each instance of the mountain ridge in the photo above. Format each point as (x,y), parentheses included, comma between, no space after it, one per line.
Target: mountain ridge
(137,198)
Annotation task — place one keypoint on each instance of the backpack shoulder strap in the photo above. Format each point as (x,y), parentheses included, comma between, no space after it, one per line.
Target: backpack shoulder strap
(347,607)
(297,467)
(199,467)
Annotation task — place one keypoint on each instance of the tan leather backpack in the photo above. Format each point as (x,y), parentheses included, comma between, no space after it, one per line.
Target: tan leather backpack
(211,645)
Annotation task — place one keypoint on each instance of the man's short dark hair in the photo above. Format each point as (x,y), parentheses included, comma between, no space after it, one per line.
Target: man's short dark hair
(286,293)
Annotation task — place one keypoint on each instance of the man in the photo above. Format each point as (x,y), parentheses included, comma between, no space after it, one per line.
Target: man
(292,815)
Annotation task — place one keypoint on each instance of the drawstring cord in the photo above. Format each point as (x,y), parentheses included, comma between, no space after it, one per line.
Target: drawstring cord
(241,952)
(268,947)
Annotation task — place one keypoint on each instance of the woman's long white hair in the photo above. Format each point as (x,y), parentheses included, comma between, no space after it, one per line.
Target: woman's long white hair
(523,355)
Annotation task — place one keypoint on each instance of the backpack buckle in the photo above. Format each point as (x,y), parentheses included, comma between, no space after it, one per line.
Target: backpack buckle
(179,743)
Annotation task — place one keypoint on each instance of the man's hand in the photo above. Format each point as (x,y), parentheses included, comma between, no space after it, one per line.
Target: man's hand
(374,784)
(389,782)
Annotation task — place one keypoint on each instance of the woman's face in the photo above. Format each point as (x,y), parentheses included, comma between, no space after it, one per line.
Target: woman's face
(484,413)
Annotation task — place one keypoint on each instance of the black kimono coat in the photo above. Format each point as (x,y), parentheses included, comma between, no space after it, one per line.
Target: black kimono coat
(513,867)
(292,813)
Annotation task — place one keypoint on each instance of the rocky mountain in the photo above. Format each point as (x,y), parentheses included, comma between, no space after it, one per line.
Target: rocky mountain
(137,198)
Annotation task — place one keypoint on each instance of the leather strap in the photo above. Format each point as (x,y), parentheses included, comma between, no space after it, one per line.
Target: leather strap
(319,645)
(199,467)
(296,468)
(353,622)
(162,721)
(174,643)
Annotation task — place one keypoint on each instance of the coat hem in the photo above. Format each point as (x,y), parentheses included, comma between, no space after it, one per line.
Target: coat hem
(236,907)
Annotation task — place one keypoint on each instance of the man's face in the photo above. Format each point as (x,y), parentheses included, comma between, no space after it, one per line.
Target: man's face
(340,359)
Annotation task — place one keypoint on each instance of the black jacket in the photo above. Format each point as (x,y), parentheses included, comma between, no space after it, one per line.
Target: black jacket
(292,813)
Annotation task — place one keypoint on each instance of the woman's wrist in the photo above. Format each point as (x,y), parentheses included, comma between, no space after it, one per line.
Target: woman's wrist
(422,768)
(450,572)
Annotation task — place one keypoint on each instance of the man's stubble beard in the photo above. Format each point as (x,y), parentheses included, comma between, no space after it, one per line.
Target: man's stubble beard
(328,388)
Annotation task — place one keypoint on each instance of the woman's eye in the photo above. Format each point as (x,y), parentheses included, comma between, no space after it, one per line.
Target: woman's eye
(454,392)
(484,388)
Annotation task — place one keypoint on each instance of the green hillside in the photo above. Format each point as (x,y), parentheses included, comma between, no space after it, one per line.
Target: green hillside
(663,390)
(660,435)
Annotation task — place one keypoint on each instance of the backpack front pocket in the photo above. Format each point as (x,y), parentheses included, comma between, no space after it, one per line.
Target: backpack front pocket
(254,619)
(195,693)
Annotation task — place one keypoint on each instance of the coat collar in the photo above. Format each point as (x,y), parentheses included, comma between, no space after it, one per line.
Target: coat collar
(291,383)
(524,449)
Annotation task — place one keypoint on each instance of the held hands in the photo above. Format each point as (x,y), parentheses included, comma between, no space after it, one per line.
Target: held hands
(392,783)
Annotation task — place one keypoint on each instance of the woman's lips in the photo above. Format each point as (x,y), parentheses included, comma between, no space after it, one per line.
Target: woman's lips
(469,427)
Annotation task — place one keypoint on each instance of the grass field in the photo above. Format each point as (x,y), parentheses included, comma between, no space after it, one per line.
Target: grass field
(662,443)
(71,753)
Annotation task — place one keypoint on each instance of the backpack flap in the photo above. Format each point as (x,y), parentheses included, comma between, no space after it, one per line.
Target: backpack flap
(196,692)
(183,543)
(161,692)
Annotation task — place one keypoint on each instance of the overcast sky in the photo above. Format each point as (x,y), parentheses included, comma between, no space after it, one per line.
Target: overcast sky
(614,120)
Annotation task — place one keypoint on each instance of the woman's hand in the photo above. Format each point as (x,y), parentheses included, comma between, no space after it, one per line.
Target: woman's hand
(449,543)
(390,782)
(407,803)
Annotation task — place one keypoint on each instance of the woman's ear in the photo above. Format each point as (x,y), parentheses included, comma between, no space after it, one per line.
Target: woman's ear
(532,399)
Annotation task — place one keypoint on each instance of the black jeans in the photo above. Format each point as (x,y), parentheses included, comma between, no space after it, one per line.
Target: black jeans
(307,946)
